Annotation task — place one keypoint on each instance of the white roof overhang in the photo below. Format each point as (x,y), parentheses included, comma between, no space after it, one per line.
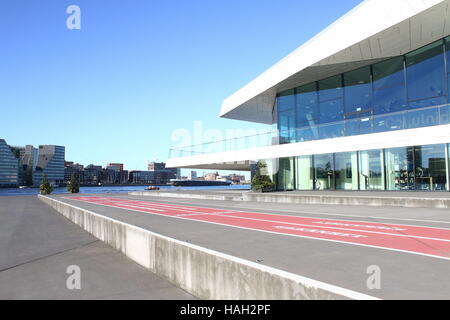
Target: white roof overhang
(373,31)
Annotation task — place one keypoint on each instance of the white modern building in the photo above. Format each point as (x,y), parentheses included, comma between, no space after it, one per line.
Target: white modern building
(364,105)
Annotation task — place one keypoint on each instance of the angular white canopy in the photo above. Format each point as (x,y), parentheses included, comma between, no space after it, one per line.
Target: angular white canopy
(374,30)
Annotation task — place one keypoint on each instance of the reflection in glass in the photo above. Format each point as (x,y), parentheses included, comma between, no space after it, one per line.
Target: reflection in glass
(384,96)
(399,168)
(389,93)
(329,131)
(324,172)
(388,122)
(307,134)
(304,173)
(358,126)
(447,49)
(286,125)
(422,118)
(286,100)
(371,170)
(425,70)
(358,92)
(330,96)
(285,176)
(346,170)
(307,105)
(430,167)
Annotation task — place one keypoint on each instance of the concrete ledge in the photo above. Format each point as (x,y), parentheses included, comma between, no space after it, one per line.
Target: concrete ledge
(353,200)
(204,273)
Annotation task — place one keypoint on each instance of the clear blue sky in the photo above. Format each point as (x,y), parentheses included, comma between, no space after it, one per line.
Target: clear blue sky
(137,70)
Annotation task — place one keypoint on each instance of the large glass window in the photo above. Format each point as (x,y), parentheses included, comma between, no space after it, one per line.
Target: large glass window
(447,167)
(286,116)
(371,170)
(430,167)
(399,168)
(447,49)
(286,126)
(395,94)
(330,97)
(357,92)
(286,100)
(389,93)
(346,170)
(307,105)
(425,70)
(324,172)
(285,176)
(304,173)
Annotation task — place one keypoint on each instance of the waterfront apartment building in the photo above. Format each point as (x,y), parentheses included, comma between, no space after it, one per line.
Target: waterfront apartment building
(9,166)
(115,166)
(142,177)
(162,174)
(364,105)
(75,169)
(50,162)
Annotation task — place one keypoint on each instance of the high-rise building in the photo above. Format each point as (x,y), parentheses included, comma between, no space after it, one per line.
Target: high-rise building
(9,166)
(50,163)
(364,105)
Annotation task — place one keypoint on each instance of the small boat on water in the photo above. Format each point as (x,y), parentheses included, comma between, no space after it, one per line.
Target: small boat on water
(151,188)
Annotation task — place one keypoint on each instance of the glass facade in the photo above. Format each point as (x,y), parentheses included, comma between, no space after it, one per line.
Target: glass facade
(285,176)
(50,163)
(9,166)
(430,168)
(346,170)
(422,168)
(371,170)
(324,172)
(403,92)
(304,178)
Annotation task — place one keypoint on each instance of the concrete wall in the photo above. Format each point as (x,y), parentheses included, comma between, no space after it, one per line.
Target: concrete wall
(313,198)
(205,273)
(369,200)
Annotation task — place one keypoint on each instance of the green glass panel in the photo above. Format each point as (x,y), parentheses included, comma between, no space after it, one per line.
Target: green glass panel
(346,171)
(324,172)
(371,170)
(304,173)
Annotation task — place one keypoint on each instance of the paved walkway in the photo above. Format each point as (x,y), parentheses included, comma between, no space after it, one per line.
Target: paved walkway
(37,245)
(404,275)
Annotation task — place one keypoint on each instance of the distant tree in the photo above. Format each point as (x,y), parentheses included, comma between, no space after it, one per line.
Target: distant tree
(45,187)
(73,186)
(262,182)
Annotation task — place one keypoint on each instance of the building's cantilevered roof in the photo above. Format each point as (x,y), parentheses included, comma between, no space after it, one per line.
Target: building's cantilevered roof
(373,31)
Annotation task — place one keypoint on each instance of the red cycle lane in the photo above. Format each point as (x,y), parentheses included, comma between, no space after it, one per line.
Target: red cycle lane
(412,239)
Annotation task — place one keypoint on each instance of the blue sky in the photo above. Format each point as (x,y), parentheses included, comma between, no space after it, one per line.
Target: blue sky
(137,70)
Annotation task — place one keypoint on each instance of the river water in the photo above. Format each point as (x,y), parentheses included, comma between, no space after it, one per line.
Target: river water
(112,189)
